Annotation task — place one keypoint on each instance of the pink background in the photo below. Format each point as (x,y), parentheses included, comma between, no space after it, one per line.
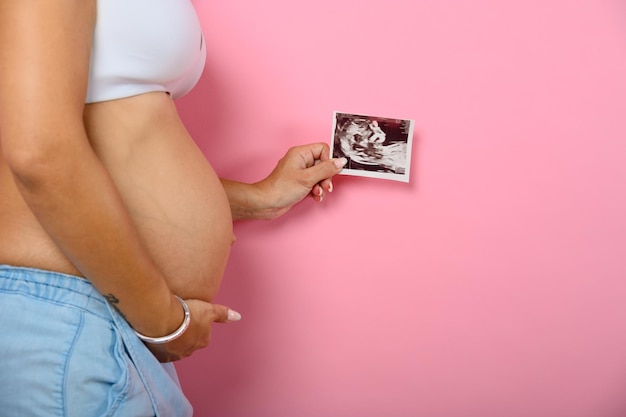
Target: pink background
(494,284)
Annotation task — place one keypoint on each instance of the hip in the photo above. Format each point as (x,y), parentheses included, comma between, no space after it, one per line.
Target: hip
(73,354)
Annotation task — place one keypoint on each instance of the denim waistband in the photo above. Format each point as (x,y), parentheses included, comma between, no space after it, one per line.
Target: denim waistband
(160,380)
(57,287)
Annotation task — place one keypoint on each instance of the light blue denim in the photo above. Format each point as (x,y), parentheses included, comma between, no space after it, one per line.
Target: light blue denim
(64,352)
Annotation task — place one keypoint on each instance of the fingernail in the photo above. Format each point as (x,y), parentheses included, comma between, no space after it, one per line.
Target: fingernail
(233,315)
(340,162)
(330,187)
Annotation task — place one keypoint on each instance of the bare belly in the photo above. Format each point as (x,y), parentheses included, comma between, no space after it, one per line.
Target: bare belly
(173,195)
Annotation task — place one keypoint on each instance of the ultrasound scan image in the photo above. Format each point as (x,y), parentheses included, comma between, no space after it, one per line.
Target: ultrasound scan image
(372,144)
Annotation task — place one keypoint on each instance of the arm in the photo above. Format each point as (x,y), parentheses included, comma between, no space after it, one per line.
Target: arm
(44,59)
(304,171)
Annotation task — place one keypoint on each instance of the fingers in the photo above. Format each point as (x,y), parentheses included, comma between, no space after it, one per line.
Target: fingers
(198,334)
(315,156)
(323,171)
(304,170)
(305,156)
(317,151)
(325,153)
(327,185)
(320,168)
(317,192)
(223,314)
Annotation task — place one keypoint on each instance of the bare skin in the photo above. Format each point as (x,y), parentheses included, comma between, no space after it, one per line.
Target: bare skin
(118,192)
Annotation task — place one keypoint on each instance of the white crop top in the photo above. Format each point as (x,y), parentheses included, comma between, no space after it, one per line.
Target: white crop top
(140,46)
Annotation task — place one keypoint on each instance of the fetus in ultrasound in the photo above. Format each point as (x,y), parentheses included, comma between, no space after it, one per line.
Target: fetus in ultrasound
(366,145)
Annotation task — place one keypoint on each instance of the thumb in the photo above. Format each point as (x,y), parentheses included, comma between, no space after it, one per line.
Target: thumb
(223,314)
(326,169)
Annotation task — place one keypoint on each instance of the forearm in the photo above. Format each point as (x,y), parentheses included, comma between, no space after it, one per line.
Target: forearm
(248,201)
(74,199)
(305,170)
(44,73)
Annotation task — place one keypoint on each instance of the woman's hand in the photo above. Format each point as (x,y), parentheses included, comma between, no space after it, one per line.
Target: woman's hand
(198,334)
(305,170)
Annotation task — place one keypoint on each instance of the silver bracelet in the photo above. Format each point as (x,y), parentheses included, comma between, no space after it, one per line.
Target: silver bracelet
(172,336)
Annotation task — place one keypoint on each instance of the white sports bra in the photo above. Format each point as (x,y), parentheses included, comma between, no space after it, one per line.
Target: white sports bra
(141,46)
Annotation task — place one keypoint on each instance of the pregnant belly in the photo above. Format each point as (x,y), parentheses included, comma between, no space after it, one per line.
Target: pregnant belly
(172,193)
(184,220)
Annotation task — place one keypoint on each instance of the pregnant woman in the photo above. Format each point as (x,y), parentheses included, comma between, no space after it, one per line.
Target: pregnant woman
(114,229)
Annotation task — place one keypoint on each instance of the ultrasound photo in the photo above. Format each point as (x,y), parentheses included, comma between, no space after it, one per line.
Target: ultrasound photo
(376,147)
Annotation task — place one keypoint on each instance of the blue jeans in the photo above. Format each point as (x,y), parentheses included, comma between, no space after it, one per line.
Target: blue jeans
(65,353)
